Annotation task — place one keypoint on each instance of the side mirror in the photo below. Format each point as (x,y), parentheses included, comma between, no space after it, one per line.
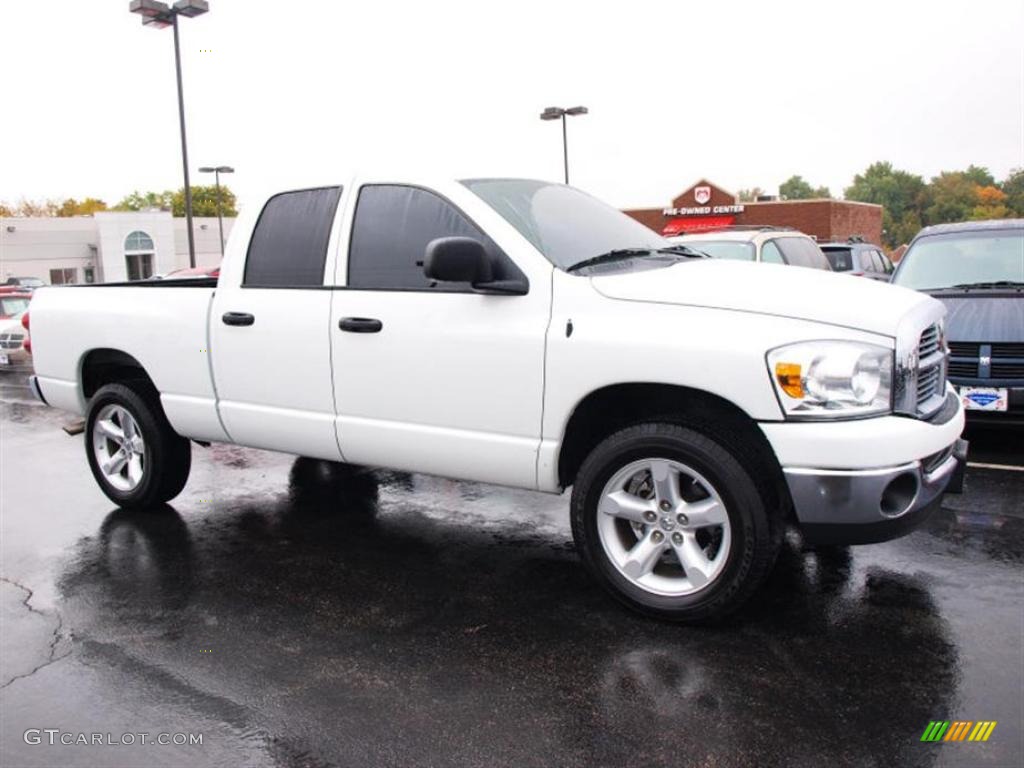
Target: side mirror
(457,260)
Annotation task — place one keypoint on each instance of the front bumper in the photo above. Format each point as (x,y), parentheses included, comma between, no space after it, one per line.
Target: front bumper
(868,480)
(870,505)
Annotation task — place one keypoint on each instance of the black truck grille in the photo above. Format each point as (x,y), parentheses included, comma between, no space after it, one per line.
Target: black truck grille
(979,360)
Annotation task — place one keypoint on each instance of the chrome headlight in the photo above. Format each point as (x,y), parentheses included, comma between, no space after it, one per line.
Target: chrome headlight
(832,379)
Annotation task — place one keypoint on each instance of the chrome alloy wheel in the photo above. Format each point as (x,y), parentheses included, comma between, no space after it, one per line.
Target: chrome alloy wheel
(664,527)
(119,448)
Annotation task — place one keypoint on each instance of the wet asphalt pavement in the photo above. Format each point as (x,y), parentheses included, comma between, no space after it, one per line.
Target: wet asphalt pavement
(298,615)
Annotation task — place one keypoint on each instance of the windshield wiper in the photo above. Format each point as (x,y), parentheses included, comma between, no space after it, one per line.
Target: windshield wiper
(685,250)
(991,284)
(614,255)
(619,254)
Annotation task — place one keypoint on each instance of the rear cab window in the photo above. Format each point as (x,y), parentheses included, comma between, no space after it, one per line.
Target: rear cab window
(288,247)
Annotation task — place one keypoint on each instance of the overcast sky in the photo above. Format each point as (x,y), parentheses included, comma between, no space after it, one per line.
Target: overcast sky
(743,93)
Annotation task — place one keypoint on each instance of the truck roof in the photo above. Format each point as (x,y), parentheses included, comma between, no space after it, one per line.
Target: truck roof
(971,226)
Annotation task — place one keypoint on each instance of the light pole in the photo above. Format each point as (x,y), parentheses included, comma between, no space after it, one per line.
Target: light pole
(157,14)
(556,113)
(217,171)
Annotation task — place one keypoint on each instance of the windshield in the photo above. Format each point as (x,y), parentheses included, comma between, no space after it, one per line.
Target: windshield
(11,307)
(841,259)
(566,225)
(962,258)
(721,249)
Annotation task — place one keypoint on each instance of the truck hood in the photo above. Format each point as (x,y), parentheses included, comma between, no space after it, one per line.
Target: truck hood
(985,319)
(769,289)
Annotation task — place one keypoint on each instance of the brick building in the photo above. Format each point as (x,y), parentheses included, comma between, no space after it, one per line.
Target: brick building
(705,206)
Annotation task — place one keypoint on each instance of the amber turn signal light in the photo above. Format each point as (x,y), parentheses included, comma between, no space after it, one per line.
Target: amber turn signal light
(788,375)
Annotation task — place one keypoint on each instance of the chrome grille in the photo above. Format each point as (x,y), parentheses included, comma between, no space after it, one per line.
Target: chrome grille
(930,341)
(931,371)
(11,340)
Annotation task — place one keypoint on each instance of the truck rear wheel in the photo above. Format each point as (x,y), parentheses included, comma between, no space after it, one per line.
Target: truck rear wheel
(136,457)
(672,523)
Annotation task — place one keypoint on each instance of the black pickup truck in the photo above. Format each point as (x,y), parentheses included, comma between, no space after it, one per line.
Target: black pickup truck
(976,269)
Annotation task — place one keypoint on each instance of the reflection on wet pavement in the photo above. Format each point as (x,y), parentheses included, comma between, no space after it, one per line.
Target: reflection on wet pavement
(302,613)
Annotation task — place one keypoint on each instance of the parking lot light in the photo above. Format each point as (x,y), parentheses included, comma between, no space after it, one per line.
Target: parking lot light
(160,15)
(217,171)
(558,113)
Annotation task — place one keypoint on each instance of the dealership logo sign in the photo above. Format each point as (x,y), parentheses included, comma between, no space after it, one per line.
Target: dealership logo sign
(702,195)
(958,730)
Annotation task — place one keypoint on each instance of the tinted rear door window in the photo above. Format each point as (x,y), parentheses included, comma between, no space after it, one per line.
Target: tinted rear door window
(801,252)
(392,227)
(770,253)
(289,244)
(840,259)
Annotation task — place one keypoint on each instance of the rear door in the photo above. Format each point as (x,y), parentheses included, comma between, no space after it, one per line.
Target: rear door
(434,377)
(269,329)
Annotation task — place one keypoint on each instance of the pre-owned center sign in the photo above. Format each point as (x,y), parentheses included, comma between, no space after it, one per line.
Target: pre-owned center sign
(703,210)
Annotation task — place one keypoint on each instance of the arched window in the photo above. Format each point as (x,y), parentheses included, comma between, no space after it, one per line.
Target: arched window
(138,241)
(138,256)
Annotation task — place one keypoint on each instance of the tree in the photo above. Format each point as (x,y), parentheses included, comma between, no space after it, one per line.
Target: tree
(903,197)
(204,201)
(1013,187)
(87,207)
(37,208)
(7,210)
(954,195)
(137,201)
(795,188)
(991,204)
(979,176)
(749,195)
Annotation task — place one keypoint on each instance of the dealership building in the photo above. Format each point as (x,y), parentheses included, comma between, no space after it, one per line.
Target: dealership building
(704,206)
(104,247)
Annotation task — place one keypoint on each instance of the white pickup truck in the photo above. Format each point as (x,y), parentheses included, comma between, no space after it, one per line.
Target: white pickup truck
(525,334)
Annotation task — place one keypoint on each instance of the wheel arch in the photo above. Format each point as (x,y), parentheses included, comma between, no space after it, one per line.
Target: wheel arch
(609,409)
(105,365)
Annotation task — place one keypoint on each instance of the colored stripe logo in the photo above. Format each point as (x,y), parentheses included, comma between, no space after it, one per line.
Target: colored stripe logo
(959,730)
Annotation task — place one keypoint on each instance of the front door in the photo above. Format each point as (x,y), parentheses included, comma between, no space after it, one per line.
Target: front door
(433,377)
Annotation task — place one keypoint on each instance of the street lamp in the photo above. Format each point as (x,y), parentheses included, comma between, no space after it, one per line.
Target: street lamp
(217,171)
(160,15)
(556,113)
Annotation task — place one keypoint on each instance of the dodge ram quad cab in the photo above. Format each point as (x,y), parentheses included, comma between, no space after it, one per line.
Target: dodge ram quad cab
(523,333)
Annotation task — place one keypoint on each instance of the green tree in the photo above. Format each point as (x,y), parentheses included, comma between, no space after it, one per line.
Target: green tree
(749,195)
(795,188)
(87,207)
(204,201)
(138,201)
(954,196)
(979,176)
(903,197)
(1013,187)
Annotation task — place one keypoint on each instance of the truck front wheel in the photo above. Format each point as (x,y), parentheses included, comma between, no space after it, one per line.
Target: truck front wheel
(136,457)
(672,523)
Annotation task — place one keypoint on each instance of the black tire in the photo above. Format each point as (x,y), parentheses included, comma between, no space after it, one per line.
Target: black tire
(753,522)
(167,457)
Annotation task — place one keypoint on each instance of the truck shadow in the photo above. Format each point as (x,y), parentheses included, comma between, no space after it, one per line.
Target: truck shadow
(401,625)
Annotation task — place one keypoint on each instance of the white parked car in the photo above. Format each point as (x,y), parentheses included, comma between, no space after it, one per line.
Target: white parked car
(525,334)
(770,245)
(12,341)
